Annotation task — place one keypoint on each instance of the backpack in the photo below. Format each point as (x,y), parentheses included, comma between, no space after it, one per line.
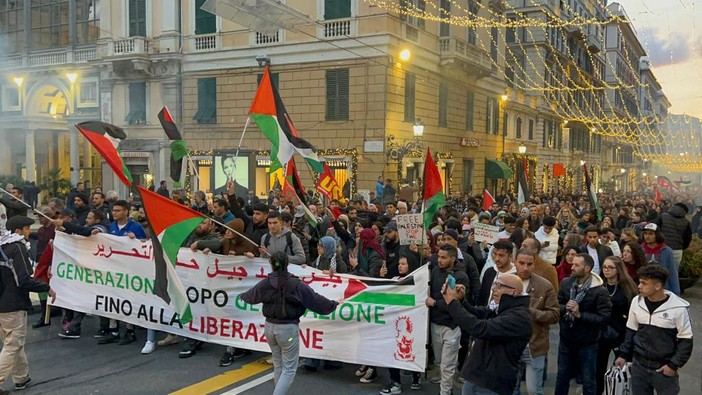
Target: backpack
(288,240)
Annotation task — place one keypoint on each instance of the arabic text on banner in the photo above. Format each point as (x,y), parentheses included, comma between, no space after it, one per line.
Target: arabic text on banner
(380,322)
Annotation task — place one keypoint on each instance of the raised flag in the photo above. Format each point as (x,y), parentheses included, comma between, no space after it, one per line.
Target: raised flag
(657,194)
(488,200)
(433,193)
(178,148)
(522,185)
(105,138)
(293,177)
(592,194)
(269,113)
(558,170)
(327,185)
(664,182)
(171,223)
(293,192)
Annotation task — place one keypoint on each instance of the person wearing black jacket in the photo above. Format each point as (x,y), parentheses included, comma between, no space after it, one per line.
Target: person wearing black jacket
(13,205)
(445,333)
(585,308)
(499,335)
(255,226)
(17,282)
(285,299)
(658,337)
(676,229)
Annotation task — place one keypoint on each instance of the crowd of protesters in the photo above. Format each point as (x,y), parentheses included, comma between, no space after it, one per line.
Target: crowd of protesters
(607,275)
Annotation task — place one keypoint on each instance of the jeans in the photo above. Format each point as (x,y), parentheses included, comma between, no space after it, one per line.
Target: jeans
(150,335)
(534,373)
(284,341)
(569,357)
(603,351)
(446,342)
(13,360)
(472,389)
(644,381)
(677,258)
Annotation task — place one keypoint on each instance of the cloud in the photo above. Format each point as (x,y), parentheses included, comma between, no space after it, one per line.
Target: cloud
(660,44)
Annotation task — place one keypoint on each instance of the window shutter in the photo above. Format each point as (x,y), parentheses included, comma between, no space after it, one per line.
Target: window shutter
(518,133)
(332,98)
(344,94)
(336,9)
(137,18)
(137,103)
(337,94)
(404,4)
(470,97)
(495,117)
(488,116)
(205,23)
(422,5)
(504,124)
(410,83)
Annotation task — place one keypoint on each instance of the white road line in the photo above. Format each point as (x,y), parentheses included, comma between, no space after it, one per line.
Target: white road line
(249,385)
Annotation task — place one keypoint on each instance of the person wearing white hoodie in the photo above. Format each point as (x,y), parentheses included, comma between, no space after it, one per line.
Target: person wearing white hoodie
(547,235)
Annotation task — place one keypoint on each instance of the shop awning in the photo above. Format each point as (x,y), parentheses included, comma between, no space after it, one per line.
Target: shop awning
(497,169)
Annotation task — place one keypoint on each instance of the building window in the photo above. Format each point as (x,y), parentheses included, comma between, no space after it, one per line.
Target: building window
(11,98)
(444,13)
(518,132)
(12,26)
(505,121)
(206,100)
(337,9)
(49,24)
(470,99)
(87,21)
(412,5)
(492,122)
(137,104)
(88,92)
(494,36)
(410,82)
(137,18)
(473,9)
(443,104)
(531,129)
(205,22)
(337,95)
(275,79)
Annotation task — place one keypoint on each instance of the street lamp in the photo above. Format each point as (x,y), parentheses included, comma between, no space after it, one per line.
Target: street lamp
(582,162)
(522,149)
(504,97)
(72,77)
(19,81)
(405,55)
(622,170)
(418,128)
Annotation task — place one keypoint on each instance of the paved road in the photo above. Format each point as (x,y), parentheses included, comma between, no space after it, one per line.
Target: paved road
(60,366)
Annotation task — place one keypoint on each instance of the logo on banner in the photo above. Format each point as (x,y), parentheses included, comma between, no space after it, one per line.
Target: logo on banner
(404,339)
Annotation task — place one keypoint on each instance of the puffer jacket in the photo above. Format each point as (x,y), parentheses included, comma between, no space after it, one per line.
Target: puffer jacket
(595,309)
(676,228)
(17,280)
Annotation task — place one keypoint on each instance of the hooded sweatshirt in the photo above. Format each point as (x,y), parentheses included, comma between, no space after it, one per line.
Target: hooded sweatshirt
(549,252)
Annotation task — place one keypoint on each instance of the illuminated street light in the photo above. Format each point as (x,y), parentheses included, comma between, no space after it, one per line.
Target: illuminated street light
(72,77)
(19,81)
(504,97)
(622,170)
(582,163)
(418,128)
(644,174)
(405,55)
(522,149)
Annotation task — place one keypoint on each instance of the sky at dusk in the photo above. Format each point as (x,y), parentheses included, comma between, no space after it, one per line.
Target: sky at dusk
(671,33)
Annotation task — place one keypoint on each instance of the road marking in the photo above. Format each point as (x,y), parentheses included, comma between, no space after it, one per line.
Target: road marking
(249,385)
(225,379)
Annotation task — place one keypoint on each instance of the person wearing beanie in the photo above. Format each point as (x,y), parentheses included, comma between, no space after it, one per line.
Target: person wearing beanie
(17,282)
(81,207)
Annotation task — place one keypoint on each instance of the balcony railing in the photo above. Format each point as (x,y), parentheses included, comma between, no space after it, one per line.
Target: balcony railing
(128,46)
(338,28)
(452,47)
(48,58)
(265,39)
(205,42)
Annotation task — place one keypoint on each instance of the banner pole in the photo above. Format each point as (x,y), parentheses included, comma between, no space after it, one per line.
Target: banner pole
(241,139)
(28,206)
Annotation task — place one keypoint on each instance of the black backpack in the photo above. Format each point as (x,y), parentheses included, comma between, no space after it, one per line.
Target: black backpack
(288,240)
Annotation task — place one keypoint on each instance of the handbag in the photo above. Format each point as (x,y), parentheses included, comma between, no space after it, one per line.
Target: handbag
(618,380)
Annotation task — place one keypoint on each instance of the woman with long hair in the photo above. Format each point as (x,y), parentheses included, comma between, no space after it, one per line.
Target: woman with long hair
(565,269)
(621,289)
(634,258)
(285,299)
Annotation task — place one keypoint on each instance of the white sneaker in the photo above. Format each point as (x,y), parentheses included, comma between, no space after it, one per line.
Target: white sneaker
(149,347)
(269,360)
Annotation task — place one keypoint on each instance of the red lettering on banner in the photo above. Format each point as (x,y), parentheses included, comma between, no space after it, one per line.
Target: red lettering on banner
(236,332)
(312,338)
(211,326)
(251,332)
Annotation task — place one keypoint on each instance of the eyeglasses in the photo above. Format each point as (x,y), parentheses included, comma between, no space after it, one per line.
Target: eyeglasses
(498,284)
(609,268)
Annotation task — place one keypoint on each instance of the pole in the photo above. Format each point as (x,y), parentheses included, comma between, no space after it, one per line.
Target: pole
(241,139)
(28,206)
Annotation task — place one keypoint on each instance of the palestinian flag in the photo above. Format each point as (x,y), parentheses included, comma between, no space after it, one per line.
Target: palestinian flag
(178,148)
(295,193)
(522,185)
(171,223)
(269,113)
(293,177)
(592,194)
(488,200)
(433,194)
(105,138)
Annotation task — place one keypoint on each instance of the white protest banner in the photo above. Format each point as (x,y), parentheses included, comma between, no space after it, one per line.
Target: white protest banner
(484,232)
(410,228)
(114,276)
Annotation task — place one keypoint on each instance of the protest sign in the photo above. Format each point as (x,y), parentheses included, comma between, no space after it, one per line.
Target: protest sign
(380,322)
(487,233)
(410,228)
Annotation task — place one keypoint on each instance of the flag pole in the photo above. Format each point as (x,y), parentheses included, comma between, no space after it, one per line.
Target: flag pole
(225,226)
(28,206)
(241,139)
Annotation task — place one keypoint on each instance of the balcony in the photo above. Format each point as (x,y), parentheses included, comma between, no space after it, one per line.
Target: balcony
(337,28)
(58,57)
(593,43)
(129,46)
(204,43)
(458,54)
(259,39)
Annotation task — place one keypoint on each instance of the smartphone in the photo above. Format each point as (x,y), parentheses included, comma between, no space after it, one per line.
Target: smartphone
(547,243)
(451,281)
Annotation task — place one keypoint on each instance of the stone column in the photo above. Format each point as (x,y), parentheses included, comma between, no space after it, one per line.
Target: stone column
(163,154)
(5,155)
(73,154)
(87,162)
(30,156)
